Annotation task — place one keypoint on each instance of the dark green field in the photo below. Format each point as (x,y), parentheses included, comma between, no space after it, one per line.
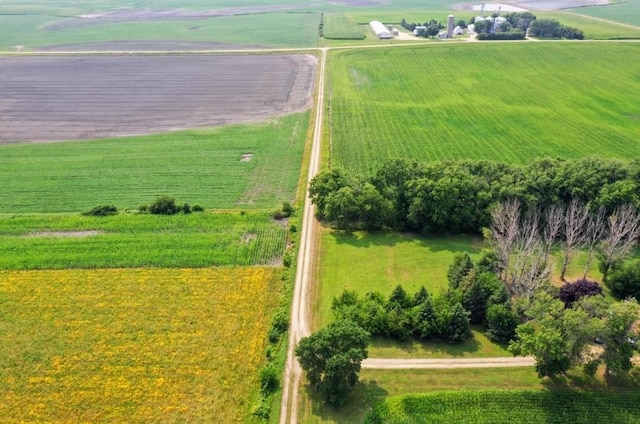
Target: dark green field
(509,407)
(505,102)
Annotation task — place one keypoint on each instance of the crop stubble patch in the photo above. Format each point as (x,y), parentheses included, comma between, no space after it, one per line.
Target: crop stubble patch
(82,97)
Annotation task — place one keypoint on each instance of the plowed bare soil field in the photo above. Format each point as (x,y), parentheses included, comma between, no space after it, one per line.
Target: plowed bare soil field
(81,97)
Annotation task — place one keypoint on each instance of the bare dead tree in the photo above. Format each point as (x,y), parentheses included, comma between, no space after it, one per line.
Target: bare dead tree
(553,220)
(529,268)
(623,230)
(596,227)
(576,217)
(505,223)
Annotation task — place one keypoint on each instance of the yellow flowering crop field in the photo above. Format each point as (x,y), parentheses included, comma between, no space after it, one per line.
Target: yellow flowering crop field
(133,345)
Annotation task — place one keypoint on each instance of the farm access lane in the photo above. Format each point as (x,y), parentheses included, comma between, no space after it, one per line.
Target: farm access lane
(396,364)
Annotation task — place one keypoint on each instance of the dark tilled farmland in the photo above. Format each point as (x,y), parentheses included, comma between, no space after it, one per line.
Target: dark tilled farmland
(80,97)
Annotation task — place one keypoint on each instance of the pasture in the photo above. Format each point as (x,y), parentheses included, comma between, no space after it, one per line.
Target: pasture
(139,345)
(139,240)
(507,102)
(203,167)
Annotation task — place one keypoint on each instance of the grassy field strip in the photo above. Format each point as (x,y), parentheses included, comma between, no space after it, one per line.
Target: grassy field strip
(205,168)
(139,345)
(481,102)
(140,240)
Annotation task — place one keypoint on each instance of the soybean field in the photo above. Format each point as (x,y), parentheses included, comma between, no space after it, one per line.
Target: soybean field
(242,166)
(506,102)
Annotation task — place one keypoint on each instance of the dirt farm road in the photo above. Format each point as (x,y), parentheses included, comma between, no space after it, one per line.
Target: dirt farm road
(397,364)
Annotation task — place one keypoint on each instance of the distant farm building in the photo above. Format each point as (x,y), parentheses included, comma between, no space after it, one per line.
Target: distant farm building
(380,30)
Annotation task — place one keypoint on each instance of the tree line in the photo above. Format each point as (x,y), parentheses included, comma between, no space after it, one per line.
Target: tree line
(458,196)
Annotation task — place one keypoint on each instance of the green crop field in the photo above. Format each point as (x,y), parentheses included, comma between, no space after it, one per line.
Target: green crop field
(139,240)
(594,28)
(274,30)
(507,102)
(339,26)
(509,407)
(197,167)
(626,11)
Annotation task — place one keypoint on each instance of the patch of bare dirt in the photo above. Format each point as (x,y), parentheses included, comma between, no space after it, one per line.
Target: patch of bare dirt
(84,97)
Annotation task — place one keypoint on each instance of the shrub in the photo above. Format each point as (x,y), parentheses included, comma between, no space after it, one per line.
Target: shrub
(287,209)
(197,208)
(287,260)
(279,325)
(277,215)
(501,323)
(186,209)
(571,292)
(143,208)
(269,381)
(623,279)
(164,205)
(102,210)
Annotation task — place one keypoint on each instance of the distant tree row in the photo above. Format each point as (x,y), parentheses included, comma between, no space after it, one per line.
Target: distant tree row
(458,196)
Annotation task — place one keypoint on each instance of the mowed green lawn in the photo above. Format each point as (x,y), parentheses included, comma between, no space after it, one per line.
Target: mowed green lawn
(368,262)
(197,167)
(498,101)
(58,241)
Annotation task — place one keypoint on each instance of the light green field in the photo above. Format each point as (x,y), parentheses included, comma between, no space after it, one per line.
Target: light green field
(626,11)
(380,261)
(196,167)
(139,240)
(272,30)
(592,27)
(507,102)
(339,26)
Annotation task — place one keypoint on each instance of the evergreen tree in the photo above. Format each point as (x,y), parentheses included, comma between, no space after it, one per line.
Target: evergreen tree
(475,301)
(460,268)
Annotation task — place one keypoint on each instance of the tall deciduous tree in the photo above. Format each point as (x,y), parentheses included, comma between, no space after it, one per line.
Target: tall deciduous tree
(575,222)
(556,337)
(621,336)
(332,358)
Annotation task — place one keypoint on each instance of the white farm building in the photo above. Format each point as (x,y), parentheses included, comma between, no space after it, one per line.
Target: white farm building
(380,30)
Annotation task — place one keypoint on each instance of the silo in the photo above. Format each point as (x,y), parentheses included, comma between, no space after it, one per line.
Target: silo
(450,26)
